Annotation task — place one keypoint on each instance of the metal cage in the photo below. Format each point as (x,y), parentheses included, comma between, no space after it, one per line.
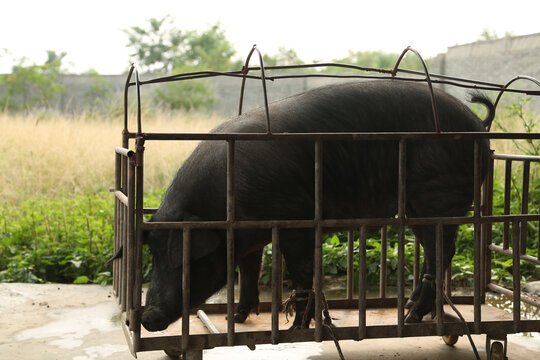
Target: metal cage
(181,338)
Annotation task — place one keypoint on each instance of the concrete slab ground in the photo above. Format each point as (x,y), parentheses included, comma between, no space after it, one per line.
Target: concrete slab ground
(81,322)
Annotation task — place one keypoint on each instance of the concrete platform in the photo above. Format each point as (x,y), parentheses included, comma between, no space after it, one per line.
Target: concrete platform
(81,322)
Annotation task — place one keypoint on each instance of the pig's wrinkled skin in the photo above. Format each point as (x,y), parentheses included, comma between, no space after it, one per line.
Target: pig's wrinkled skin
(275,180)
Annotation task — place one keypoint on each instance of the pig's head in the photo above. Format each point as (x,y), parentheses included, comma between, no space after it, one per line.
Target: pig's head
(208,263)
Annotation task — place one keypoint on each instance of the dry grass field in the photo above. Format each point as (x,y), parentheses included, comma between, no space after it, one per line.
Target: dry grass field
(57,155)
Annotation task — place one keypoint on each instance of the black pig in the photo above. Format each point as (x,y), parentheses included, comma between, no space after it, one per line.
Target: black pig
(275,180)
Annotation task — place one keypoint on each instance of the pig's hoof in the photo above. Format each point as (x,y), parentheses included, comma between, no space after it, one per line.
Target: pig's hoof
(409,304)
(412,318)
(241,316)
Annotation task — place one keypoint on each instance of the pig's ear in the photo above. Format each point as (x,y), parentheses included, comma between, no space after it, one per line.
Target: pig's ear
(203,242)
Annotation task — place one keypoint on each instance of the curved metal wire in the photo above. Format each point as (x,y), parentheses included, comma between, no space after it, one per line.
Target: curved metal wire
(519,77)
(245,71)
(428,80)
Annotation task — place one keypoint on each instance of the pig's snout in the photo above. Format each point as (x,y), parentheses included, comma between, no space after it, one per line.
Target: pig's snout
(154,319)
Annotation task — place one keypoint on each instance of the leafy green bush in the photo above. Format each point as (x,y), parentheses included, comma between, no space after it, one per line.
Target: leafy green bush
(66,240)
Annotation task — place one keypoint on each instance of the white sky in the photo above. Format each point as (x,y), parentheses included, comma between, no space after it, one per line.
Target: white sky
(91,31)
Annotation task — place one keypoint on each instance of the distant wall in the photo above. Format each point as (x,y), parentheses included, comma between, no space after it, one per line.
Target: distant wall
(494,61)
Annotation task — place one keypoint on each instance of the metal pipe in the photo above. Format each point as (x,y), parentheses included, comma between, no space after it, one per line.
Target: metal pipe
(137,193)
(507,197)
(525,204)
(362,286)
(510,253)
(477,235)
(429,83)
(245,70)
(383,265)
(524,298)
(341,136)
(276,284)
(350,263)
(439,278)
(416,266)
(186,286)
(402,158)
(230,242)
(318,239)
(207,322)
(516,273)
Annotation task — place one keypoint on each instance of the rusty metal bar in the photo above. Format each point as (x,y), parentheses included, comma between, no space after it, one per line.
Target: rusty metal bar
(186,286)
(137,193)
(131,246)
(488,211)
(429,83)
(277,274)
(439,278)
(516,273)
(525,204)
(126,97)
(245,70)
(318,239)
(350,263)
(335,223)
(416,265)
(477,235)
(401,236)
(362,286)
(507,198)
(519,77)
(383,265)
(510,253)
(524,298)
(230,242)
(341,136)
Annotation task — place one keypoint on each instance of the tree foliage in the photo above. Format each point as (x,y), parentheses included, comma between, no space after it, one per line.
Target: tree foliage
(161,47)
(28,86)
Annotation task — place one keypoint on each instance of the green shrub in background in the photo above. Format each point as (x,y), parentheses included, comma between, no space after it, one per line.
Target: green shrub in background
(67,240)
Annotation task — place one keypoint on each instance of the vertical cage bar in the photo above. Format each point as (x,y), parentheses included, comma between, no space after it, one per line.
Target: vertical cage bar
(350,264)
(131,249)
(488,210)
(448,281)
(230,242)
(507,196)
(186,286)
(125,240)
(516,272)
(138,205)
(416,266)
(318,238)
(362,287)
(276,284)
(439,278)
(525,204)
(477,235)
(401,236)
(382,265)
(117,204)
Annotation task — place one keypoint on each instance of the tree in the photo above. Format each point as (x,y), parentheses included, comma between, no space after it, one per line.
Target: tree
(283,57)
(30,85)
(162,47)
